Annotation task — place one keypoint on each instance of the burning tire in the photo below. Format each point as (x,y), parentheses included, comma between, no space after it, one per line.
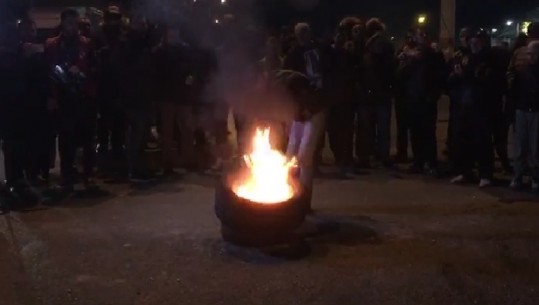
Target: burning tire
(249,223)
(258,202)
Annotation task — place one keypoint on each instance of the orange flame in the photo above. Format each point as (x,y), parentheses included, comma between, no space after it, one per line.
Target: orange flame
(268,179)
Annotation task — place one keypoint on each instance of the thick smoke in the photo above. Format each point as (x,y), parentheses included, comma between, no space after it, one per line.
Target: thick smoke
(237,44)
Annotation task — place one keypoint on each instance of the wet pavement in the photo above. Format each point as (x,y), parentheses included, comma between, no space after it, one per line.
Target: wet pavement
(393,239)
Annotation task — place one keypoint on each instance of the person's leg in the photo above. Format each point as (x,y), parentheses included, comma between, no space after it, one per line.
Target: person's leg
(402,116)
(431,144)
(67,138)
(520,145)
(334,133)
(12,161)
(417,139)
(167,112)
(117,136)
(185,120)
(294,139)
(138,131)
(533,152)
(483,147)
(307,148)
(463,144)
(88,134)
(500,135)
(347,136)
(364,134)
(383,128)
(104,124)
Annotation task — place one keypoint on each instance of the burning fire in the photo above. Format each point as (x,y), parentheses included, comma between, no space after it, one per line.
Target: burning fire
(268,179)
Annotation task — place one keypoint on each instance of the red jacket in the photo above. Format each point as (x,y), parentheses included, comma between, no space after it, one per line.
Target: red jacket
(56,55)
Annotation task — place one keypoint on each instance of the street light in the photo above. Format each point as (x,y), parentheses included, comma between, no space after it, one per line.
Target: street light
(223,1)
(422,19)
(216,21)
(509,22)
(494,30)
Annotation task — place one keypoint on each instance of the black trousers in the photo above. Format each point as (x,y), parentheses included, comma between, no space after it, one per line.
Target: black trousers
(500,133)
(473,143)
(403,116)
(16,158)
(374,127)
(43,144)
(111,126)
(423,115)
(340,130)
(77,128)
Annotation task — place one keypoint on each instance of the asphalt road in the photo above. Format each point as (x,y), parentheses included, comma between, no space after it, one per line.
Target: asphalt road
(395,239)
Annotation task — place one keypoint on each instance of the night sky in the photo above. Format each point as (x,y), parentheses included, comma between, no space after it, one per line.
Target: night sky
(398,14)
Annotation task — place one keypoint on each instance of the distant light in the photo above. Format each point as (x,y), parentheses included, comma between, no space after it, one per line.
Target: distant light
(223,1)
(524,27)
(509,22)
(422,19)
(494,30)
(217,21)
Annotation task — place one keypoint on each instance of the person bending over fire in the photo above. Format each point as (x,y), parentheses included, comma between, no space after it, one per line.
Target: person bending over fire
(307,126)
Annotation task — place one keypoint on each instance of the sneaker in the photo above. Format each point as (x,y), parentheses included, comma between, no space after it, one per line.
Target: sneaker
(458,179)
(483,183)
(516,184)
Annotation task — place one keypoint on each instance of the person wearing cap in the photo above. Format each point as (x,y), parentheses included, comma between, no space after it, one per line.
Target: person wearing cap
(478,76)
(526,99)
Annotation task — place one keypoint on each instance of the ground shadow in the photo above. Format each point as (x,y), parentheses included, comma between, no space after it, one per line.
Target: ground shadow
(78,199)
(313,239)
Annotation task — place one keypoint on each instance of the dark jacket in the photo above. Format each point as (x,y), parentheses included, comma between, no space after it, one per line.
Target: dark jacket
(526,88)
(421,73)
(480,79)
(12,91)
(307,60)
(455,83)
(306,97)
(172,69)
(132,69)
(74,52)
(37,75)
(378,65)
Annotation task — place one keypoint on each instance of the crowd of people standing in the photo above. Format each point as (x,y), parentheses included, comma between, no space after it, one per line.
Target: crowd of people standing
(104,91)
